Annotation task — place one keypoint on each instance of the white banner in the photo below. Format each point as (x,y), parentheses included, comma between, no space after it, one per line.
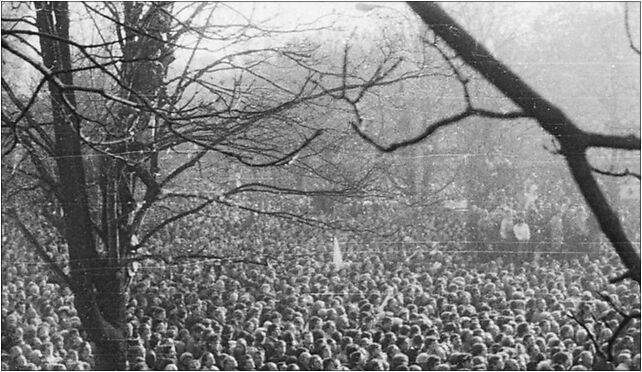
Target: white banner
(337,256)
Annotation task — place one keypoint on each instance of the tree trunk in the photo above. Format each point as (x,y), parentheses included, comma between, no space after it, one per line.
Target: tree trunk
(98,288)
(110,302)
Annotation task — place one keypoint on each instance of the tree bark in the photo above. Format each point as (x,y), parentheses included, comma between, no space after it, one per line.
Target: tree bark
(102,319)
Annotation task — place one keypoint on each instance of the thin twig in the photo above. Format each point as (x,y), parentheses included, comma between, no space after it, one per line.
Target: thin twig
(590,334)
(628,30)
(625,173)
(610,301)
(171,259)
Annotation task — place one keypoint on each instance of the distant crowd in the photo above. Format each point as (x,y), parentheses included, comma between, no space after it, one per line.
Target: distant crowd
(418,304)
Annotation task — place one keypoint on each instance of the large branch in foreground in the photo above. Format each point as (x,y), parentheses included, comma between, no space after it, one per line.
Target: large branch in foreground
(613,142)
(549,116)
(574,142)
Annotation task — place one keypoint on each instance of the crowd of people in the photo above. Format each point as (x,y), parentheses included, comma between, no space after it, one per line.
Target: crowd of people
(417,304)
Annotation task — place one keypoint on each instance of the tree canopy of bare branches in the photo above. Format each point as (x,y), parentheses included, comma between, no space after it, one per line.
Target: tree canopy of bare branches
(120,88)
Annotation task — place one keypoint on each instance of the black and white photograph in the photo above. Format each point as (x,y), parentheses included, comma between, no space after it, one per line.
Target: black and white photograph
(320,186)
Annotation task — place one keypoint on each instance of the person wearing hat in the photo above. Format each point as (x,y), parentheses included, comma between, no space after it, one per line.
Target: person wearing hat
(184,360)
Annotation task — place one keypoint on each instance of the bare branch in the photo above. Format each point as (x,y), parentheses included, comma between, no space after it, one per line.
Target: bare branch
(610,301)
(168,221)
(265,188)
(464,81)
(188,164)
(285,159)
(611,173)
(621,277)
(624,323)
(39,249)
(591,336)
(636,49)
(626,318)
(172,259)
(432,128)
(24,109)
(344,71)
(613,142)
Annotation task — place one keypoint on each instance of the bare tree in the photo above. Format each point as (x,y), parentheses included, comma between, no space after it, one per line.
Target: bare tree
(97,132)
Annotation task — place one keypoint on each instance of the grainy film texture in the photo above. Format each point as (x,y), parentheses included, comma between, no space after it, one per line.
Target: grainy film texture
(320,186)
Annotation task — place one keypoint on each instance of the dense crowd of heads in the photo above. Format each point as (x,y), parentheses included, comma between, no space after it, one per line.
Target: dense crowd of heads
(406,306)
